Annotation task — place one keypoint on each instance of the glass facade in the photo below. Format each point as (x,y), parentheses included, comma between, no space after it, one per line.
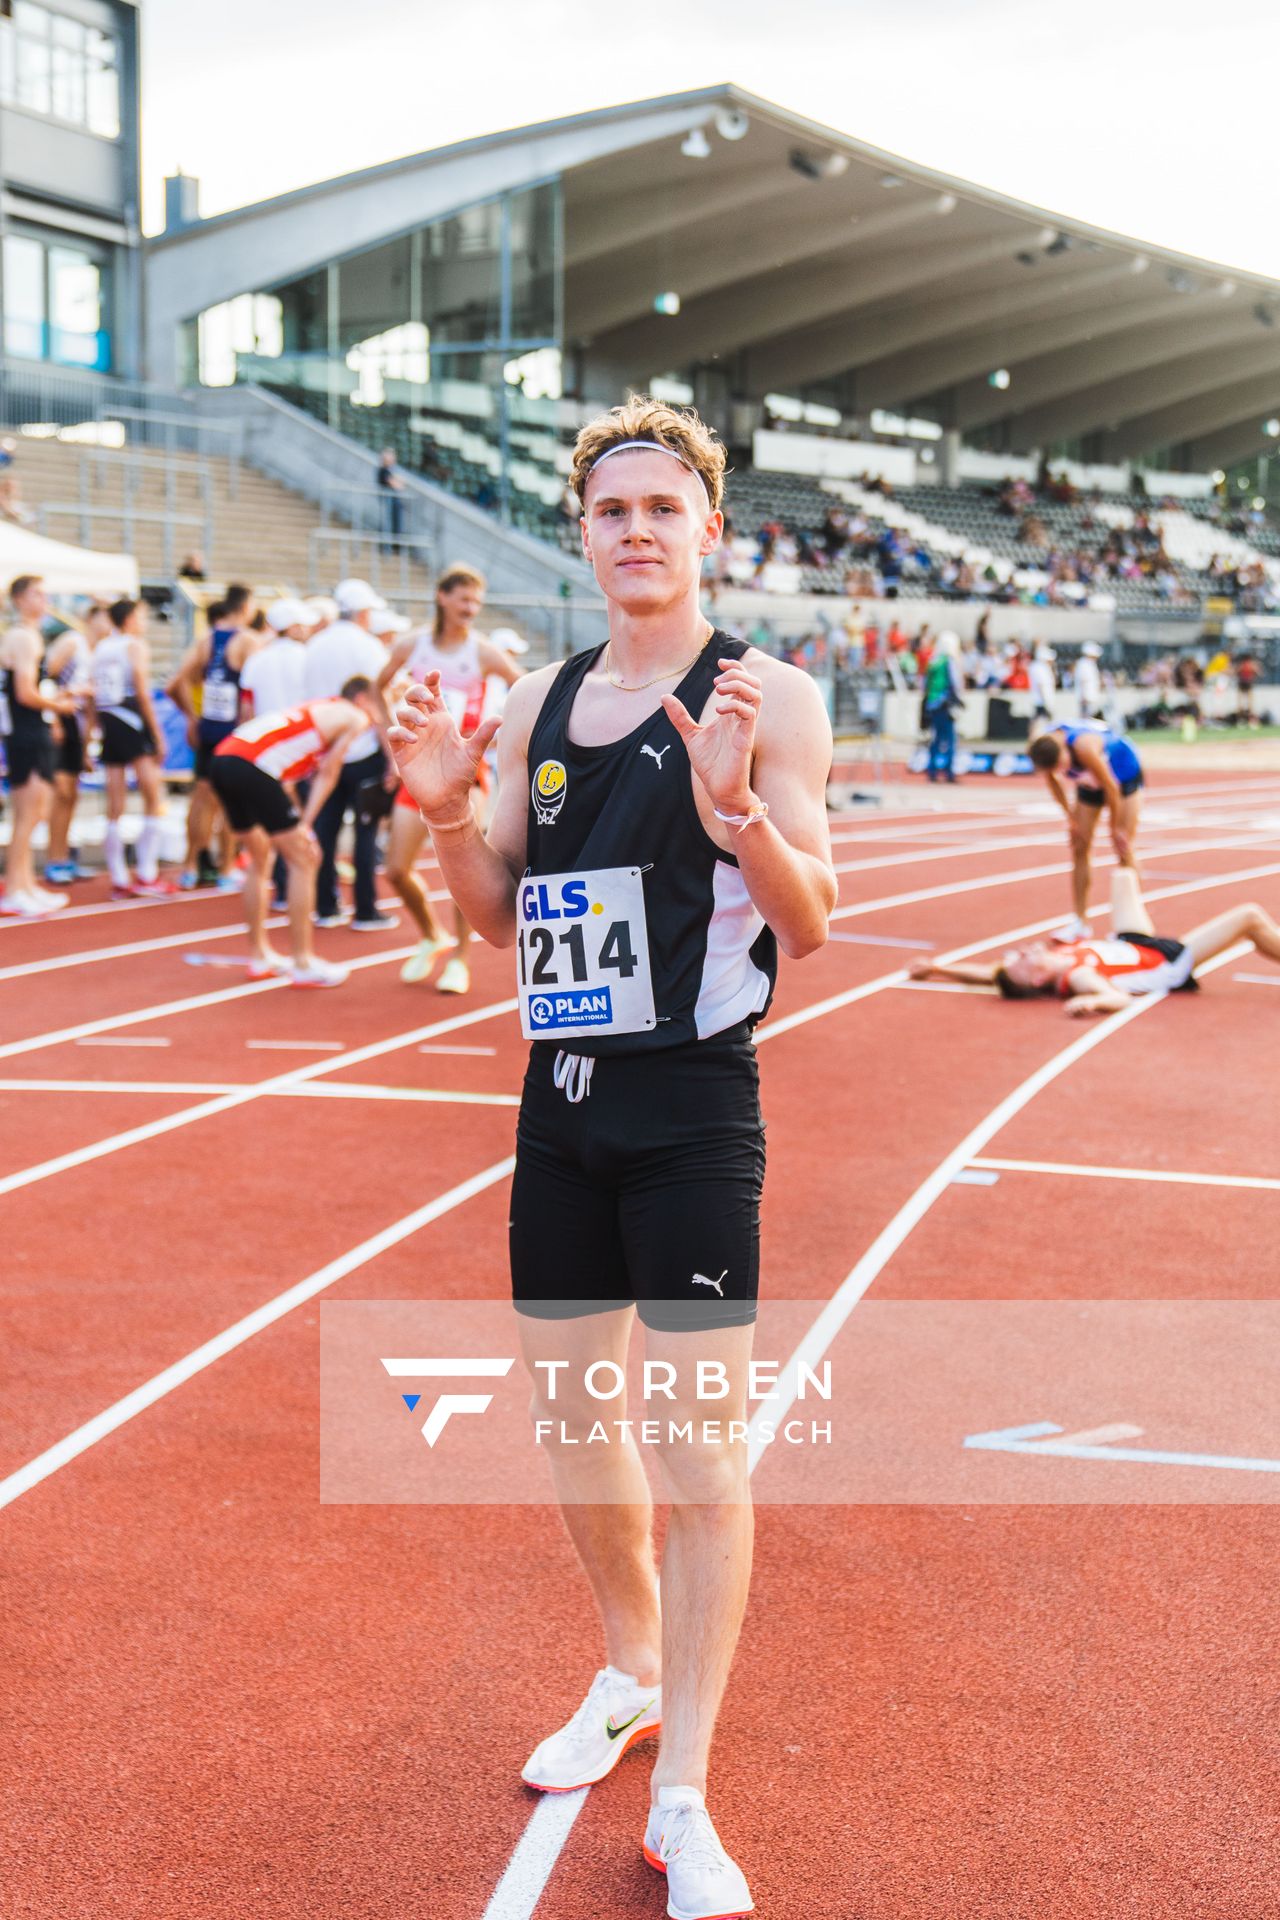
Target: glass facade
(443,343)
(52,64)
(56,300)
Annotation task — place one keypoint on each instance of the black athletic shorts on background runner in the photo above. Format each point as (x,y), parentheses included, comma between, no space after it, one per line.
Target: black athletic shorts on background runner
(645,1189)
(29,752)
(250,797)
(70,754)
(1095,797)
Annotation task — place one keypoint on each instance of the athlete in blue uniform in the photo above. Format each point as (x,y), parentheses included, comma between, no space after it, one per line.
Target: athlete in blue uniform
(213,662)
(1084,757)
(660,828)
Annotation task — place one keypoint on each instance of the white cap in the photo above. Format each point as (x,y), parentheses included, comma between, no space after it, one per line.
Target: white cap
(284,614)
(509,640)
(323,609)
(1091,651)
(1045,652)
(356,596)
(386,624)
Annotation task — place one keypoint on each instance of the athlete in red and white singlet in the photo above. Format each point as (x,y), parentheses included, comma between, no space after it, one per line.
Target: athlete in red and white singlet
(465,662)
(252,772)
(1105,975)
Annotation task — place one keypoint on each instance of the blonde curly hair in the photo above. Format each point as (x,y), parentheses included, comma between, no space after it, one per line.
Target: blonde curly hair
(679,429)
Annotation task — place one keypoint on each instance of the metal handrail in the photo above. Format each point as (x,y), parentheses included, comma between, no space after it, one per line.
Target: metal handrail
(192,423)
(127,515)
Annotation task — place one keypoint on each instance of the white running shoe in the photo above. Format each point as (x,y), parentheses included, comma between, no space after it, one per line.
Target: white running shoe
(269,967)
(318,974)
(51,902)
(1073,929)
(24,905)
(616,1713)
(456,978)
(703,1883)
(420,962)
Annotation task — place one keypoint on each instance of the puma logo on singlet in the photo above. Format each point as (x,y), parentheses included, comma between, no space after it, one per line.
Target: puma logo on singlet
(700,1279)
(654,754)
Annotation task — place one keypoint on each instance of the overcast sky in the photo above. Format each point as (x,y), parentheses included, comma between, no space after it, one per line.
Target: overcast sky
(1156,120)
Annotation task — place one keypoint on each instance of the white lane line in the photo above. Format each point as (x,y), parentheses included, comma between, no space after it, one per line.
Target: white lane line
(160,1384)
(1259,979)
(125,1040)
(943,986)
(1019,874)
(243,1096)
(191,1003)
(883,940)
(295,1046)
(1158,1176)
(471,1050)
(537,1850)
(132,947)
(342,1090)
(438,1096)
(829,1322)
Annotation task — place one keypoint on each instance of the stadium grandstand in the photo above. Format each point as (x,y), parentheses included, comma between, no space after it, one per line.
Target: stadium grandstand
(934,396)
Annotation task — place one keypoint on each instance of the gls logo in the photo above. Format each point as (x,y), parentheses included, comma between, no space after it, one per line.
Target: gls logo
(448,1403)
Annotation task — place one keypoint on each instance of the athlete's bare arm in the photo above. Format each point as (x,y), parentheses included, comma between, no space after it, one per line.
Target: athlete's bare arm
(765,737)
(1057,788)
(494,661)
(397,660)
(438,767)
(140,661)
(190,669)
(25,679)
(969,974)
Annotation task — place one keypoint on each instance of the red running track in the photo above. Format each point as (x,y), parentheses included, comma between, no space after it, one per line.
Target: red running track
(227,1699)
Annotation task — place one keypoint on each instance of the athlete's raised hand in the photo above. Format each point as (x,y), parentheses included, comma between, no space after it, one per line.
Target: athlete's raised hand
(720,749)
(436,762)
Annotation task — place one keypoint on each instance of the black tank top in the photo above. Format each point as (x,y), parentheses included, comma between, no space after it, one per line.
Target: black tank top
(17,719)
(631,805)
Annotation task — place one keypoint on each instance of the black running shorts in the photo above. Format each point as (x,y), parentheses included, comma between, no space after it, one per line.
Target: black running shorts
(70,755)
(250,797)
(124,739)
(645,1188)
(29,753)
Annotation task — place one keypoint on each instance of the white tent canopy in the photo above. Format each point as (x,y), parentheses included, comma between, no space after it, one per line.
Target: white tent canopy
(63,568)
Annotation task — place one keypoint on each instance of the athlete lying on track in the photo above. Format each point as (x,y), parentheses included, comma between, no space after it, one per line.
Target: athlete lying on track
(1102,975)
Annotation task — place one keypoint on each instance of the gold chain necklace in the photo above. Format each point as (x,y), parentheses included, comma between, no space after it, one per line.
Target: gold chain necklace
(669,673)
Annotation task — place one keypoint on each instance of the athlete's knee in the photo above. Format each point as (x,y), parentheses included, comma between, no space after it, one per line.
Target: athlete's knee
(564,1415)
(703,1455)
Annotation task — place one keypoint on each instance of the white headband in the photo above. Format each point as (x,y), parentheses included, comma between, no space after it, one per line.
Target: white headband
(648,446)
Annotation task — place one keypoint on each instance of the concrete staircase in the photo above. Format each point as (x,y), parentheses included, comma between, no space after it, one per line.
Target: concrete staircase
(161,505)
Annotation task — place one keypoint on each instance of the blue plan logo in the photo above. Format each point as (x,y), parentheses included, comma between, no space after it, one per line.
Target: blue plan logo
(589,1007)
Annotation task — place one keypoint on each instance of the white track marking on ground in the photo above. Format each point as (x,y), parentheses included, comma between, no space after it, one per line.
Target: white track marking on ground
(191,1003)
(317,1089)
(242,1096)
(127,952)
(145,1396)
(883,940)
(124,1040)
(537,1850)
(829,1322)
(1158,1176)
(472,1050)
(295,1046)
(521,1893)
(942,986)
(1019,874)
(1259,979)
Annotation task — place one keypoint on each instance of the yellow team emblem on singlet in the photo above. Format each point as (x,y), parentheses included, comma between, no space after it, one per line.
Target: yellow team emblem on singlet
(549,786)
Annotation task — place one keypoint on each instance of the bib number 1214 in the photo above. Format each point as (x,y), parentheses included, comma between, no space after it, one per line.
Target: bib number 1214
(583,954)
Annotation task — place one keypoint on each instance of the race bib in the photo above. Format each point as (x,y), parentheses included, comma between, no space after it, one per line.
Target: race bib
(108,686)
(582,955)
(6,718)
(221,701)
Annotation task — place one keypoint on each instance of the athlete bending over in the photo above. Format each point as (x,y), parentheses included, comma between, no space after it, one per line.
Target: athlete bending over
(660,828)
(1105,975)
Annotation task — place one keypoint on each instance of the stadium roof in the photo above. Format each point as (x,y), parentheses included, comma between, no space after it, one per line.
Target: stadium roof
(805,259)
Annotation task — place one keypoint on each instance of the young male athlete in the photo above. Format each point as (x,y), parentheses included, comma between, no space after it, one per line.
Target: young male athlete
(1103,975)
(250,773)
(213,662)
(660,828)
(464,661)
(1104,771)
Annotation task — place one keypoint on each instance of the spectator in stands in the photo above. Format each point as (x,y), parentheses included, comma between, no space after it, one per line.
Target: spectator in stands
(341,652)
(1248,672)
(392,487)
(192,567)
(1016,678)
(835,533)
(942,699)
(1043,685)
